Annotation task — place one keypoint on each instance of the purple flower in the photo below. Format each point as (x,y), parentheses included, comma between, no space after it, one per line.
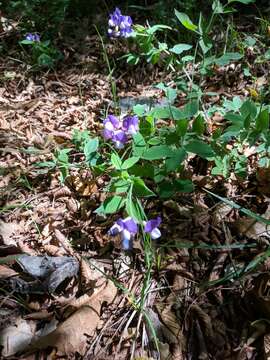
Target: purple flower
(119,138)
(111,125)
(131,124)
(32,37)
(118,131)
(151,227)
(127,228)
(119,25)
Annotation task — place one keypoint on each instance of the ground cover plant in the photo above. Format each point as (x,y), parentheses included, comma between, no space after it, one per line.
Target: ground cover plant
(134,176)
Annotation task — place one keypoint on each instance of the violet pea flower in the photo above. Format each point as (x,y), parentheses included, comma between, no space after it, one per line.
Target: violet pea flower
(151,227)
(111,125)
(127,228)
(119,25)
(119,138)
(131,124)
(32,37)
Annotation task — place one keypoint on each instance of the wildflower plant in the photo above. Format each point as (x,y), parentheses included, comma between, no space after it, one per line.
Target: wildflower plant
(42,53)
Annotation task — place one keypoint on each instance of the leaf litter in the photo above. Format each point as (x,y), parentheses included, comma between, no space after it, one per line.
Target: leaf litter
(54,298)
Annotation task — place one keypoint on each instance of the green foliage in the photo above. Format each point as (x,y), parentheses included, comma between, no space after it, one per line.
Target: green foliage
(42,53)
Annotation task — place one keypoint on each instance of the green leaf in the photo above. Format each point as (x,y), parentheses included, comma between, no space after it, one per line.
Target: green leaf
(227,58)
(140,189)
(185,20)
(183,185)
(198,125)
(158,152)
(262,121)
(90,147)
(139,144)
(242,1)
(165,189)
(129,162)
(139,110)
(154,141)
(142,171)
(179,48)
(248,109)
(200,148)
(175,161)
(120,186)
(111,205)
(116,161)
(50,164)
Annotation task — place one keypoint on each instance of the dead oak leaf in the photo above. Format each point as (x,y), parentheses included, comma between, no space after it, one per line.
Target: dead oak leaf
(71,336)
(7,230)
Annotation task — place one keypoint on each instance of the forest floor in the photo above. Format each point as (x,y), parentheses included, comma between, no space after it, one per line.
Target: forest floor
(65,303)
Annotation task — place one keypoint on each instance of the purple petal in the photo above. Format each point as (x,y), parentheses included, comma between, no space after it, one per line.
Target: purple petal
(107,134)
(130,225)
(152,224)
(120,136)
(131,124)
(115,229)
(111,121)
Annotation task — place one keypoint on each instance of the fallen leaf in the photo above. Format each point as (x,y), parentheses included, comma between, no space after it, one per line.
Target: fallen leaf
(7,230)
(17,337)
(71,336)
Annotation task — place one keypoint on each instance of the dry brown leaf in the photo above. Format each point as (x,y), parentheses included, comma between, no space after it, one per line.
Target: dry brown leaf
(7,230)
(6,272)
(16,337)
(71,336)
(85,187)
(63,241)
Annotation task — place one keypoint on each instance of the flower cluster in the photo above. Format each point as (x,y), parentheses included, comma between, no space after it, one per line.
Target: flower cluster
(118,131)
(119,25)
(128,228)
(32,37)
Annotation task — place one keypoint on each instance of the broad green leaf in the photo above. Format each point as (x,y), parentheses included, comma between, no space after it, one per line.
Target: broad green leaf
(90,147)
(182,126)
(116,161)
(179,48)
(139,144)
(111,205)
(227,58)
(165,189)
(158,152)
(120,186)
(198,125)
(139,110)
(183,185)
(185,20)
(154,141)
(200,148)
(262,121)
(140,189)
(248,109)
(142,171)
(173,163)
(129,162)
(170,93)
